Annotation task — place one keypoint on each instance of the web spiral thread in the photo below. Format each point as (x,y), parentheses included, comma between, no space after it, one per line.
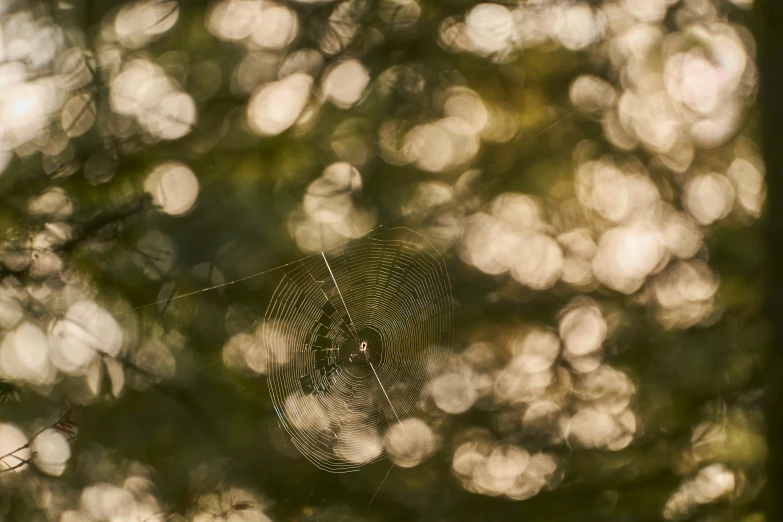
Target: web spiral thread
(354,336)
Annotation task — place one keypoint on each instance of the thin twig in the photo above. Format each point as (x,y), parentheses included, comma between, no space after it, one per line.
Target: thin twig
(29,443)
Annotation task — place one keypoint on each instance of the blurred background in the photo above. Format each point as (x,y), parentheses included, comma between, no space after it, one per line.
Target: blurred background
(593,173)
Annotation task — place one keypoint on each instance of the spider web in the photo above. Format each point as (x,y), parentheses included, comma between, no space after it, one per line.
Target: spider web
(359,332)
(396,287)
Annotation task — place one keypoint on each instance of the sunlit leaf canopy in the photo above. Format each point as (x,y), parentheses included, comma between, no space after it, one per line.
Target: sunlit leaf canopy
(589,172)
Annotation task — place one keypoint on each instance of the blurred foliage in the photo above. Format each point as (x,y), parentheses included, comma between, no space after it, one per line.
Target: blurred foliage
(588,170)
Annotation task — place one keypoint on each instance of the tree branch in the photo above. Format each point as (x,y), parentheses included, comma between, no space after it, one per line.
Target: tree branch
(63,424)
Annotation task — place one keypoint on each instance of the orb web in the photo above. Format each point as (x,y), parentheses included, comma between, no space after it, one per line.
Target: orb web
(354,336)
